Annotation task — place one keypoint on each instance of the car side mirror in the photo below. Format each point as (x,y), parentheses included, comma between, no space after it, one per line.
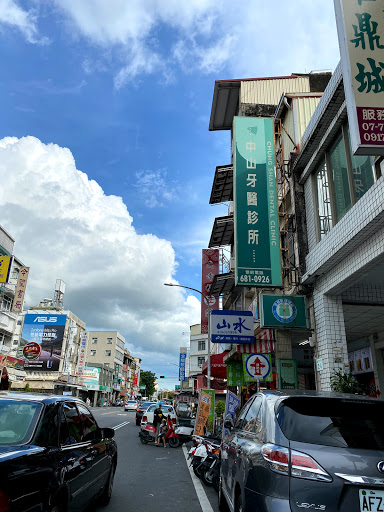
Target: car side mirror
(107,432)
(228,423)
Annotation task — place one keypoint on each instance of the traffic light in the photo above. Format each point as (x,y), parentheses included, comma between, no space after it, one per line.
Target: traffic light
(163,377)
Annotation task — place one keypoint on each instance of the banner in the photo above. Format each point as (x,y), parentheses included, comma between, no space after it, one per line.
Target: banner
(202,413)
(18,301)
(5,268)
(41,342)
(183,357)
(210,268)
(360,27)
(231,405)
(256,219)
(211,392)
(11,362)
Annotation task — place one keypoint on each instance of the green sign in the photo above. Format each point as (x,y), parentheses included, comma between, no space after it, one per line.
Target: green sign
(257,242)
(235,373)
(288,374)
(211,392)
(284,311)
(257,367)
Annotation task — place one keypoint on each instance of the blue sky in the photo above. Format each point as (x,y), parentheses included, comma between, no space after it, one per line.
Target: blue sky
(106,161)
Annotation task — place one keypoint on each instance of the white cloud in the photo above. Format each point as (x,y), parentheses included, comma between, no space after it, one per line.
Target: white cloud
(248,38)
(153,187)
(66,227)
(12,15)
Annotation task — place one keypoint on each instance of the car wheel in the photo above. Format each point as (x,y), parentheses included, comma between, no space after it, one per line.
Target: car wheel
(223,505)
(107,492)
(173,442)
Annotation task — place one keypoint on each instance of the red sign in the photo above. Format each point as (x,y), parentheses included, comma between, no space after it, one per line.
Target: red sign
(31,350)
(210,268)
(136,378)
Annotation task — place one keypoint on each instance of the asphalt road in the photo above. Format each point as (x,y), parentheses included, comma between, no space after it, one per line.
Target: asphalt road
(151,478)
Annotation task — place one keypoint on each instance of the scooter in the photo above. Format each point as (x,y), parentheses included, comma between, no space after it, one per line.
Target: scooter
(148,434)
(184,434)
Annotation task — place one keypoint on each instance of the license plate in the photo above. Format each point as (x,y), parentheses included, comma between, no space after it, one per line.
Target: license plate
(371,501)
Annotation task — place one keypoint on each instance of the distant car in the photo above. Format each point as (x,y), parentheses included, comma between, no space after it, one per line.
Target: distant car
(140,411)
(292,451)
(53,455)
(148,415)
(130,405)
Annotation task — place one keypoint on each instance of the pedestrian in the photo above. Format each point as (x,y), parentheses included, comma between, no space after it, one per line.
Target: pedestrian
(162,432)
(4,383)
(157,417)
(88,402)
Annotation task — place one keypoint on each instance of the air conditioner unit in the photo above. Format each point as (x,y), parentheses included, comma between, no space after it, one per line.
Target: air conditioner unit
(230,208)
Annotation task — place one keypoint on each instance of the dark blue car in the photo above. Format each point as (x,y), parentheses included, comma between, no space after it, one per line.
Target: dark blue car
(53,455)
(295,451)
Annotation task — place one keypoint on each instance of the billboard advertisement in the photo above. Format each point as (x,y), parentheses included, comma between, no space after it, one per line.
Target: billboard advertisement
(41,342)
(256,220)
(360,27)
(210,268)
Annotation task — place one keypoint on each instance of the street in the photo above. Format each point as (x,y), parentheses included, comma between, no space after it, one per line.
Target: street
(150,477)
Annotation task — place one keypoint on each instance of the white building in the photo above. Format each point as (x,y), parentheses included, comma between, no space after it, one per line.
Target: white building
(198,350)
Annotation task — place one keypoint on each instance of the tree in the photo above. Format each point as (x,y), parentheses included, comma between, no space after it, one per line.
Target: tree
(147,379)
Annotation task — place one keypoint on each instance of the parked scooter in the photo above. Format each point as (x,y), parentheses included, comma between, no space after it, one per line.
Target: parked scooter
(184,434)
(148,434)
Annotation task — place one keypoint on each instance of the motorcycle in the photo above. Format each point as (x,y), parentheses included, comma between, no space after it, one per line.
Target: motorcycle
(210,469)
(205,461)
(148,434)
(184,434)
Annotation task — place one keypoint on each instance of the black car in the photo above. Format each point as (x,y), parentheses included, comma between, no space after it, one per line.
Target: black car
(296,451)
(53,455)
(140,411)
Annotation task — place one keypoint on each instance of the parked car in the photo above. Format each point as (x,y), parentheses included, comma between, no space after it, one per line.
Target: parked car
(148,415)
(53,455)
(140,411)
(130,405)
(292,451)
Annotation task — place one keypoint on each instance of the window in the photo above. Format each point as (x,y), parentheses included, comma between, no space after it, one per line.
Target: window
(90,428)
(94,341)
(93,352)
(201,345)
(250,418)
(19,322)
(107,353)
(6,303)
(109,341)
(340,181)
(70,428)
(200,361)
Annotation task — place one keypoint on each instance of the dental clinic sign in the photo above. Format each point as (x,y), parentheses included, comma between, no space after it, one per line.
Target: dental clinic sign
(360,27)
(257,246)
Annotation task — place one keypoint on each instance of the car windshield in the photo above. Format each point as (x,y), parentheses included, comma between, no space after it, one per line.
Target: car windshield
(349,423)
(17,420)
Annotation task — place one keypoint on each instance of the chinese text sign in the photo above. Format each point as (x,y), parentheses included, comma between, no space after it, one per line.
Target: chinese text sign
(210,268)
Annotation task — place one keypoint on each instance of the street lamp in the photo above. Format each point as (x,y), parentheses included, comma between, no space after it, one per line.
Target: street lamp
(209,328)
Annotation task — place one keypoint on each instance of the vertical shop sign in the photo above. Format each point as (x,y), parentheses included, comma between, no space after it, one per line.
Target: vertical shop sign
(288,378)
(360,27)
(202,413)
(257,241)
(82,353)
(210,268)
(211,392)
(18,301)
(235,373)
(5,268)
(183,357)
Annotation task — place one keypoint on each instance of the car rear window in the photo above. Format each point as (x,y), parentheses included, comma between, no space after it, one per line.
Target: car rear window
(145,405)
(131,402)
(349,423)
(17,420)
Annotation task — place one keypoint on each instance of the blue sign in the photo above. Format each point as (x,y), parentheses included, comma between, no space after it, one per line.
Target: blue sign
(229,326)
(183,357)
(233,402)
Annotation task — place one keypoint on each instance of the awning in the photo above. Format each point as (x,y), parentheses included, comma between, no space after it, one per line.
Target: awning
(222,187)
(225,104)
(222,232)
(218,367)
(222,284)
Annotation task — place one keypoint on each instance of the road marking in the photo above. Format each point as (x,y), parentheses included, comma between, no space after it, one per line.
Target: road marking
(121,425)
(201,494)
(104,413)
